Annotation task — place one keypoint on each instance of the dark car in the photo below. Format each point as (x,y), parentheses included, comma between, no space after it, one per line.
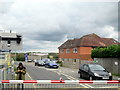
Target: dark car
(94,72)
(51,64)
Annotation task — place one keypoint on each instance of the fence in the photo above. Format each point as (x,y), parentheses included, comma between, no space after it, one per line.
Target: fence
(59,85)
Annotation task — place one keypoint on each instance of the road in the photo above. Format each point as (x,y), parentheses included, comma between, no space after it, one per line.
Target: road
(42,73)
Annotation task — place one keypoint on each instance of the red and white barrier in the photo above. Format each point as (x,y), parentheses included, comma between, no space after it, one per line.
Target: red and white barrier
(63,81)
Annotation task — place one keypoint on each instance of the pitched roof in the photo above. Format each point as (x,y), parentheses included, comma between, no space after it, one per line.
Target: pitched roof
(90,40)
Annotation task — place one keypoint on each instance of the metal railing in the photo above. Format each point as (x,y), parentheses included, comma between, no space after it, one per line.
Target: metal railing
(59,85)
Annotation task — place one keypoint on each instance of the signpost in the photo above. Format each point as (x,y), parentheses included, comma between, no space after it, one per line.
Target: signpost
(26,57)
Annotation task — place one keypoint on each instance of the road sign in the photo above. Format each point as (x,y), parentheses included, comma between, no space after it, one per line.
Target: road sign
(26,57)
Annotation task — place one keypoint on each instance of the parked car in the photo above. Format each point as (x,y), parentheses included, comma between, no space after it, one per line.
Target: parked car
(51,64)
(94,72)
(29,60)
(46,60)
(36,62)
(40,63)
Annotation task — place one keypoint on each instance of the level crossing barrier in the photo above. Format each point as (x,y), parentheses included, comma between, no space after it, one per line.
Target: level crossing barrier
(59,84)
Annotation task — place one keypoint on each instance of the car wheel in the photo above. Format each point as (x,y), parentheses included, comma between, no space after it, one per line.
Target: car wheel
(90,78)
(46,66)
(79,75)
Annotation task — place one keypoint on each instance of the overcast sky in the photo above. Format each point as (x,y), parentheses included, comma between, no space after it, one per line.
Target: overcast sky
(46,24)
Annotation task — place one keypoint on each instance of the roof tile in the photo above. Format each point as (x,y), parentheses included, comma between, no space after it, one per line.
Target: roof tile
(90,40)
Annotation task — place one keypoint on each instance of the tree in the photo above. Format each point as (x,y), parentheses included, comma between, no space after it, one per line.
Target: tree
(20,57)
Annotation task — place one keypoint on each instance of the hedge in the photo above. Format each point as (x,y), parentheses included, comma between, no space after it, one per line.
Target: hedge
(112,51)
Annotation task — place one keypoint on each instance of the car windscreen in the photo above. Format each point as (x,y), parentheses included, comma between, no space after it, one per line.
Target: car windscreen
(40,61)
(96,67)
(52,62)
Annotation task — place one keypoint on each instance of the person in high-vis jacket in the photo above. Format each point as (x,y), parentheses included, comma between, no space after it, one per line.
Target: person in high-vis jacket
(21,71)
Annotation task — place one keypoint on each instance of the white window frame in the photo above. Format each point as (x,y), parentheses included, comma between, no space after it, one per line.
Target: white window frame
(67,50)
(75,50)
(61,50)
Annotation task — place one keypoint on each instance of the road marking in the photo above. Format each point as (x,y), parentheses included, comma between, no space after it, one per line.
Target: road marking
(72,78)
(50,69)
(31,79)
(41,67)
(60,71)
(84,85)
(89,86)
(29,76)
(69,77)
(109,87)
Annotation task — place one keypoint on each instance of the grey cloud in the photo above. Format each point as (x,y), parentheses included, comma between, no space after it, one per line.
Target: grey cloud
(5,6)
(54,36)
(54,21)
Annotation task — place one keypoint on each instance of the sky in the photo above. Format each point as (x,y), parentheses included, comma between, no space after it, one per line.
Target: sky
(46,24)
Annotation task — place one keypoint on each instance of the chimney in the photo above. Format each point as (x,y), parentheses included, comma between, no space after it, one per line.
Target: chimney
(10,31)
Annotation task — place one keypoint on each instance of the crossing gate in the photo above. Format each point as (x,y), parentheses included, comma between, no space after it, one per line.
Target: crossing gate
(59,84)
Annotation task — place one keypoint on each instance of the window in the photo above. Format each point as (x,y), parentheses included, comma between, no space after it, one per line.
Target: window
(75,60)
(8,43)
(74,50)
(85,67)
(96,67)
(68,60)
(67,50)
(2,56)
(1,66)
(62,60)
(61,50)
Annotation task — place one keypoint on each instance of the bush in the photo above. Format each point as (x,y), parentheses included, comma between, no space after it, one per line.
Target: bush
(59,62)
(19,57)
(107,52)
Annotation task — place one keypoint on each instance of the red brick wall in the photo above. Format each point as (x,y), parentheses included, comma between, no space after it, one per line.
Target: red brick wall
(69,55)
(85,50)
(81,51)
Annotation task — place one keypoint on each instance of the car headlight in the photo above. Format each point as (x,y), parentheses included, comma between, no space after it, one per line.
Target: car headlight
(110,74)
(96,74)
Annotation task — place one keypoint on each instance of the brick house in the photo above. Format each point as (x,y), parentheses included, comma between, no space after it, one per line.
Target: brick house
(74,52)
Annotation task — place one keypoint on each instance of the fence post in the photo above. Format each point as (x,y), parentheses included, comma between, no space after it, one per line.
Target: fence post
(22,86)
(2,86)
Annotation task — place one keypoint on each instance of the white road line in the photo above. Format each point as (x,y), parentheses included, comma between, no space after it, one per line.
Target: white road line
(29,76)
(89,86)
(31,79)
(50,69)
(84,85)
(57,72)
(108,87)
(72,78)
(69,77)
(41,67)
